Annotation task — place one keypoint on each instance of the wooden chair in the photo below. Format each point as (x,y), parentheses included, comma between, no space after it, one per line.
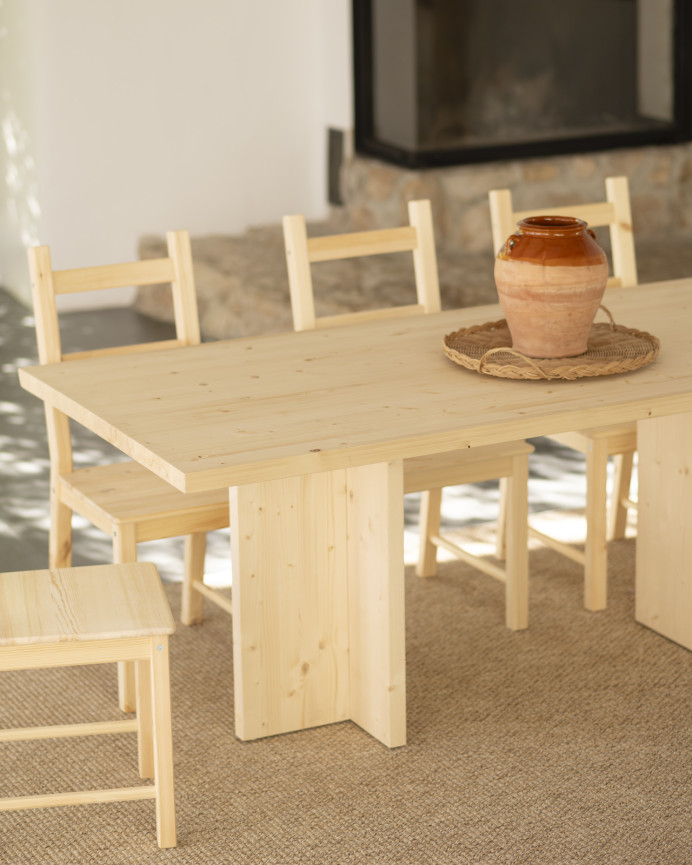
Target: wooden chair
(95,615)
(123,499)
(429,474)
(598,444)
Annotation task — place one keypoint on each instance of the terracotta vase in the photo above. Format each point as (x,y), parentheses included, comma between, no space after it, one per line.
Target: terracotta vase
(550,277)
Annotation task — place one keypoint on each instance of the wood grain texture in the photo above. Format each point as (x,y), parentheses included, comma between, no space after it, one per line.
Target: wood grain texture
(149,272)
(664,542)
(290,604)
(125,492)
(318,610)
(101,602)
(80,797)
(376,601)
(163,742)
(353,245)
(322,400)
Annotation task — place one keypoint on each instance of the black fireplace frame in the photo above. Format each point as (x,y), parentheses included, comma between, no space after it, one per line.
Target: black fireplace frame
(368,144)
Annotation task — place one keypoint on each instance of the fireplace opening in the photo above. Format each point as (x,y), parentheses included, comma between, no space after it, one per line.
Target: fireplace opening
(448,82)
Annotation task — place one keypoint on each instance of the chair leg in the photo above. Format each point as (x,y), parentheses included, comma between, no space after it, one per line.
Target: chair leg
(192,606)
(617,514)
(517,567)
(60,536)
(163,742)
(501,535)
(596,560)
(125,550)
(428,526)
(145,720)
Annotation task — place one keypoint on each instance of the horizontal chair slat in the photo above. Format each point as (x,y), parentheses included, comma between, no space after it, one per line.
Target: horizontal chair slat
(148,272)
(566,549)
(73,653)
(62,731)
(368,315)
(487,567)
(354,245)
(139,348)
(79,797)
(214,596)
(602,213)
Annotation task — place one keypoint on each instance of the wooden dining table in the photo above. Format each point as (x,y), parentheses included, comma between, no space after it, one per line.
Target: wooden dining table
(309,431)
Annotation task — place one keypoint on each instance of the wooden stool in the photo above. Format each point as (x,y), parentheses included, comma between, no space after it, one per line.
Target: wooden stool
(95,615)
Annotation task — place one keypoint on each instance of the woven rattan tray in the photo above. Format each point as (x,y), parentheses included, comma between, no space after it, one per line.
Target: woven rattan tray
(612,348)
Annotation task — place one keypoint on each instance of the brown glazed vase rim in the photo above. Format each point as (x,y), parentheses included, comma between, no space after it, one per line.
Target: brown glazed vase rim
(551,241)
(552,226)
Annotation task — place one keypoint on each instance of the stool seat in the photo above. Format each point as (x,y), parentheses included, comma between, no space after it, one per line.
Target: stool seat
(95,615)
(101,602)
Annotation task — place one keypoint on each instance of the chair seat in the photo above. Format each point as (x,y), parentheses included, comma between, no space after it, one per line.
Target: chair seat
(463,466)
(127,493)
(622,438)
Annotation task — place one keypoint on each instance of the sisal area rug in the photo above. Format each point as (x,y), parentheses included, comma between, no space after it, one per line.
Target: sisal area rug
(567,743)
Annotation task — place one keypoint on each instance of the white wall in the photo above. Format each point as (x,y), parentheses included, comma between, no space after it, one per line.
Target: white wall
(18,193)
(128,117)
(335,47)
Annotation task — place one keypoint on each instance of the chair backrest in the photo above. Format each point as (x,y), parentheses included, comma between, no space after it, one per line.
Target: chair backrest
(301,252)
(615,212)
(47,283)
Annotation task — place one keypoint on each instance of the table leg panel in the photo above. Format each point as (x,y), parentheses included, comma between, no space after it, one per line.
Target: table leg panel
(290,604)
(664,535)
(376,600)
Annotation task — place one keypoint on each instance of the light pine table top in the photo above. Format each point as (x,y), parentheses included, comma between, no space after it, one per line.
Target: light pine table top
(246,410)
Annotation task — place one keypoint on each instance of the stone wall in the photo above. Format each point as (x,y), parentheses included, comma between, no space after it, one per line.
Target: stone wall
(660,189)
(242,284)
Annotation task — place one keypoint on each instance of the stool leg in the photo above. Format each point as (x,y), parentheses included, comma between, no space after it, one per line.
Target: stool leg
(125,550)
(163,742)
(145,720)
(127,695)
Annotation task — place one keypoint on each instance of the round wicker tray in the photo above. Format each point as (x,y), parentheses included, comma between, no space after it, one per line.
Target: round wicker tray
(612,348)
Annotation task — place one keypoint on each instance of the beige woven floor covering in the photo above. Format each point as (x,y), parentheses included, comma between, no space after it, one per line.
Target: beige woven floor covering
(567,743)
